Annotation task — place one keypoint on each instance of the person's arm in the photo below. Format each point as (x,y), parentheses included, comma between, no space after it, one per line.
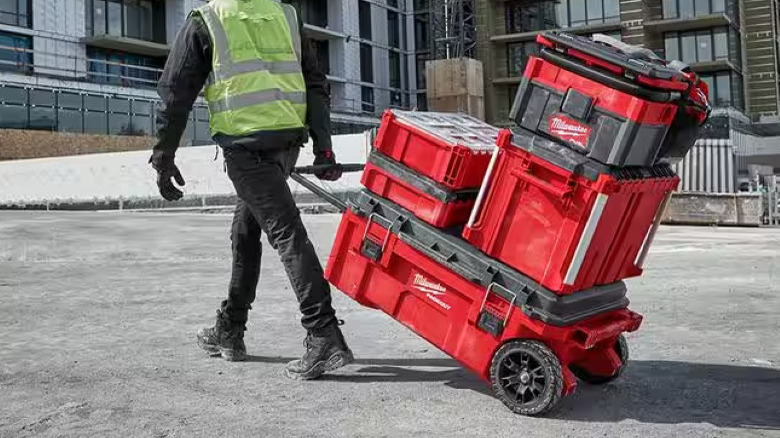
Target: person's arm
(185,73)
(317,98)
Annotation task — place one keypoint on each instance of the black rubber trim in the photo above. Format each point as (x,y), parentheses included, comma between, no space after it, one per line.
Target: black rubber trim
(460,257)
(612,56)
(608,79)
(566,158)
(418,181)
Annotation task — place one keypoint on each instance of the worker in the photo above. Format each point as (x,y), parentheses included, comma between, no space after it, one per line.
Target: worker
(266,94)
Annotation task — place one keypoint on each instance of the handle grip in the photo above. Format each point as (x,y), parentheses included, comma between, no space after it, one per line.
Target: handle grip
(526,176)
(311,170)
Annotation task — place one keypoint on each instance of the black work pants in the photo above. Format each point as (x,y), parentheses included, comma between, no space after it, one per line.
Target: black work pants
(267,205)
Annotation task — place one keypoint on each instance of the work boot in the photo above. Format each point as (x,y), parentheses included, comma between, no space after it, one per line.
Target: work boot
(226,338)
(325,351)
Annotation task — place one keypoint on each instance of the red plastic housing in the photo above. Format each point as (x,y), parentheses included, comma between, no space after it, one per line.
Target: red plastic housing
(426,207)
(443,307)
(565,231)
(453,165)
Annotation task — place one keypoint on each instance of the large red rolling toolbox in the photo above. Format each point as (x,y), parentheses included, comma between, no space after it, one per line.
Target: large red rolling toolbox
(528,342)
(452,149)
(563,219)
(614,106)
(430,201)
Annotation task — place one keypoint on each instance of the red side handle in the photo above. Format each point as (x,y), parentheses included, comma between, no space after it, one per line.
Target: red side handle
(528,177)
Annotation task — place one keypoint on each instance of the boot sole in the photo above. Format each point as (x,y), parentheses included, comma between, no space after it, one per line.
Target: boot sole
(216,350)
(336,361)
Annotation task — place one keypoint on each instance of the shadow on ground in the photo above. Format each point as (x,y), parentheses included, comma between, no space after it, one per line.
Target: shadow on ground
(661,392)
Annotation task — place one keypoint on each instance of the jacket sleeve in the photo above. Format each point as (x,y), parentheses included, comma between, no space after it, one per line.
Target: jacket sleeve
(317,97)
(183,77)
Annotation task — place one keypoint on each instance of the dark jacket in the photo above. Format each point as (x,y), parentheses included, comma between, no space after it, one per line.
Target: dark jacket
(185,73)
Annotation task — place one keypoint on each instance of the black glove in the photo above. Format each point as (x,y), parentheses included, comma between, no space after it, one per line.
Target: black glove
(166,170)
(327,157)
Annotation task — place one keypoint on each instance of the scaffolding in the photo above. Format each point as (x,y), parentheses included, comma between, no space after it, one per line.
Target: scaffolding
(454,28)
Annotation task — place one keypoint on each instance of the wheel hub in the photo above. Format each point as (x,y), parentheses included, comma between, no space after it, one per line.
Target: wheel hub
(525,377)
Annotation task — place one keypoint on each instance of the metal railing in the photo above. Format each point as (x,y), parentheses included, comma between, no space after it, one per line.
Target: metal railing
(79,68)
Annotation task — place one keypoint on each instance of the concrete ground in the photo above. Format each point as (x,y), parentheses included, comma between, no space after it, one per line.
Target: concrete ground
(98,313)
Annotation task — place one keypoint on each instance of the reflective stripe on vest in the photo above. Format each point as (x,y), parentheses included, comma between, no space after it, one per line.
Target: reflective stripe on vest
(269,93)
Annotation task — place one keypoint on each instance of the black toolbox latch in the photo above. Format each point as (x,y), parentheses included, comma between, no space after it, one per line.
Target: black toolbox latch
(488,320)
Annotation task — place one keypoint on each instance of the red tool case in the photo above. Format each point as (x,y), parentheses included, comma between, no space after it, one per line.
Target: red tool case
(451,149)
(563,219)
(494,320)
(600,101)
(430,201)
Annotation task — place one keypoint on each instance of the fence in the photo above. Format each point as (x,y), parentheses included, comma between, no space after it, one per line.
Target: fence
(709,167)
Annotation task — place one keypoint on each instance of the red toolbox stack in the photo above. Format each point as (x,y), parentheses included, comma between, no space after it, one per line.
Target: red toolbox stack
(564,219)
(527,292)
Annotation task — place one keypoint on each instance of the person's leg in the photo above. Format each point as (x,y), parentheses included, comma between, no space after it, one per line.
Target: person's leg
(260,180)
(247,251)
(226,337)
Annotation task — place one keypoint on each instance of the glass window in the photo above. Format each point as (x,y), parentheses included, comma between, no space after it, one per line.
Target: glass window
(99,15)
(611,9)
(517,56)
(722,89)
(14,13)
(42,97)
(709,80)
(671,46)
(686,8)
(702,7)
(69,120)
(718,6)
(13,117)
(421,32)
(595,11)
(42,118)
(366,63)
(670,8)
(364,17)
(132,14)
(395,70)
(393,30)
(704,46)
(95,122)
(420,61)
(17,56)
(577,12)
(738,96)
(118,105)
(688,42)
(69,100)
(422,101)
(367,97)
(114,17)
(16,95)
(562,14)
(202,133)
(119,124)
(142,107)
(95,103)
(721,44)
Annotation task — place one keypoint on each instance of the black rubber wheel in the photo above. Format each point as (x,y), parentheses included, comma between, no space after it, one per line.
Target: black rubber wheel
(621,346)
(527,377)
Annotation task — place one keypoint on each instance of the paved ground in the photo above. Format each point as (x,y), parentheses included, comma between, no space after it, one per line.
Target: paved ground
(98,313)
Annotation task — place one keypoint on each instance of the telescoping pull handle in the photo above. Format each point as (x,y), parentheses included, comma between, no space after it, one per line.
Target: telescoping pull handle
(530,178)
(489,321)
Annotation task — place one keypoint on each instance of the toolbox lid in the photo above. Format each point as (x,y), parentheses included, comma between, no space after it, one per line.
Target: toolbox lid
(418,180)
(469,262)
(452,128)
(633,62)
(568,159)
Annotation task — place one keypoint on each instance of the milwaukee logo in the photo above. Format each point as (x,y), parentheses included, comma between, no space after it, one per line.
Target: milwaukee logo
(570,130)
(425,285)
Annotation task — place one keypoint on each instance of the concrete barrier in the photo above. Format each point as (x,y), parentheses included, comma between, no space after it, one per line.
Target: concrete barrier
(743,209)
(126,181)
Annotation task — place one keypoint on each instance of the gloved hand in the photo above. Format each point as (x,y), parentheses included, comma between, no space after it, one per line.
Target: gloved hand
(166,169)
(327,157)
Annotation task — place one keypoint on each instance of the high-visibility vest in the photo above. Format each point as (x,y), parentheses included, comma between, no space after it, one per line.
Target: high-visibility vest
(256,83)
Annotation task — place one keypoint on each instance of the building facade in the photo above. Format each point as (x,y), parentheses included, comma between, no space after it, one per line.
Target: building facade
(90,66)
(732,44)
